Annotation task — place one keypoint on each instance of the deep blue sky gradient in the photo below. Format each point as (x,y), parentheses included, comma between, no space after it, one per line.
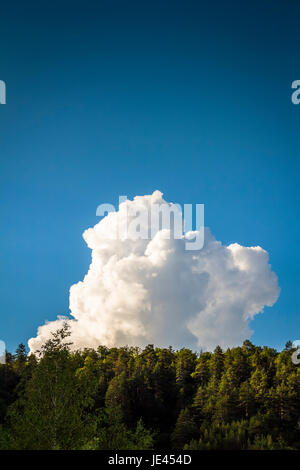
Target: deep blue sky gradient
(123,97)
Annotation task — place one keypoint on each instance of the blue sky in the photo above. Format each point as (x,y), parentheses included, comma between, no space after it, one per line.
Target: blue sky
(112,97)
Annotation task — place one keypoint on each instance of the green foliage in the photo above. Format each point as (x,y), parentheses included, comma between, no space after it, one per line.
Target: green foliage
(127,398)
(50,414)
(185,429)
(113,434)
(221,436)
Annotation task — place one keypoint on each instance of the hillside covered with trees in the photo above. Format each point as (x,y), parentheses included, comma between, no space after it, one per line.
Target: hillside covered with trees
(125,398)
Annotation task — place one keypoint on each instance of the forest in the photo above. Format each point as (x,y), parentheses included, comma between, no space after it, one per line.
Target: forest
(244,398)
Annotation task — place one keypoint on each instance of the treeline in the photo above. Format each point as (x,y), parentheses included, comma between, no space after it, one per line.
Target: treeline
(126,398)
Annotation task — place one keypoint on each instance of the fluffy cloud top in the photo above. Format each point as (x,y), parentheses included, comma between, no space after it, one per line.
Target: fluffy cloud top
(138,292)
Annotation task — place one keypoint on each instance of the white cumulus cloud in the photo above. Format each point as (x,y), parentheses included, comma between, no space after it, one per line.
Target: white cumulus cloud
(140,291)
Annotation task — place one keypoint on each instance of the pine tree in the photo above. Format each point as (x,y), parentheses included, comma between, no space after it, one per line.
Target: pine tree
(185,429)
